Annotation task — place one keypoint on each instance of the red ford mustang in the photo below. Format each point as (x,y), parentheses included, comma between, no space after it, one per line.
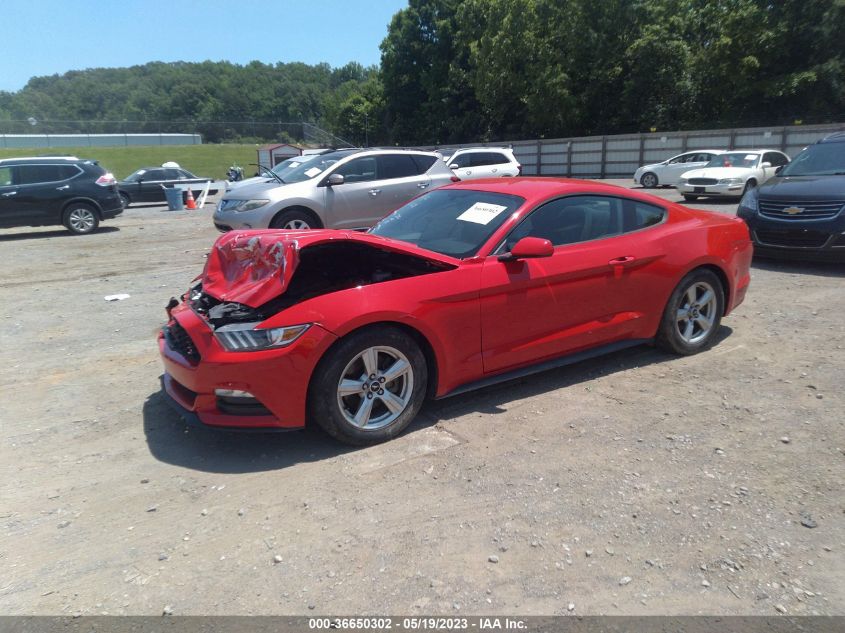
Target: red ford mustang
(464,286)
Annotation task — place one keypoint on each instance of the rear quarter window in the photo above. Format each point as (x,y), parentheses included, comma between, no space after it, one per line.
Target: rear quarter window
(423,163)
(645,215)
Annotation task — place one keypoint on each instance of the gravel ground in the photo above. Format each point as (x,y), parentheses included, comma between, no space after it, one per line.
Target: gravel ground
(638,483)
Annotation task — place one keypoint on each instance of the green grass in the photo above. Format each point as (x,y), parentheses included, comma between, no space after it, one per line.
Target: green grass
(202,160)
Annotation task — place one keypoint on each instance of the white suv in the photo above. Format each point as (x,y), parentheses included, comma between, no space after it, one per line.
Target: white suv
(484,162)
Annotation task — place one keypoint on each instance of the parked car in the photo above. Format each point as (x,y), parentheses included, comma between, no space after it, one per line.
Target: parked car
(669,171)
(467,285)
(800,212)
(147,184)
(484,162)
(731,174)
(40,191)
(344,189)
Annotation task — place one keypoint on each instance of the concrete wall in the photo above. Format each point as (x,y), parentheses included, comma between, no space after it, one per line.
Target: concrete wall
(96,140)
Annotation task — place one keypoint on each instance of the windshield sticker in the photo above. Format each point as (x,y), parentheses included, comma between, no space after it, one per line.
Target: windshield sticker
(481,213)
(312,172)
(750,156)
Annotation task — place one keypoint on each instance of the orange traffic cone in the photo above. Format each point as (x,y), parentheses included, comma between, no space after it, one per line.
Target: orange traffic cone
(190,201)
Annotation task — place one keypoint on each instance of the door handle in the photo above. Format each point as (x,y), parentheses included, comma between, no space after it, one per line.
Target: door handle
(422,185)
(10,194)
(375,192)
(63,188)
(621,261)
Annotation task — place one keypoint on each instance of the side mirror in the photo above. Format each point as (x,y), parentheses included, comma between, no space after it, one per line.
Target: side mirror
(454,166)
(527,248)
(766,164)
(335,179)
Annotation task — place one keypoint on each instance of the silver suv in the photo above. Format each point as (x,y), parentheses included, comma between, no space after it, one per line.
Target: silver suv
(344,189)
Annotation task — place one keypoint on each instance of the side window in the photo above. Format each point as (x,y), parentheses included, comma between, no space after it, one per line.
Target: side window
(643,215)
(172,174)
(358,169)
(423,163)
(154,174)
(396,166)
(5,176)
(488,158)
(183,175)
(702,158)
(678,159)
(462,160)
(34,174)
(775,158)
(572,219)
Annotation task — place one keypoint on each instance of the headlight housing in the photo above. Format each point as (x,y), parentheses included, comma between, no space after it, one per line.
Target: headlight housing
(730,181)
(245,205)
(750,202)
(247,337)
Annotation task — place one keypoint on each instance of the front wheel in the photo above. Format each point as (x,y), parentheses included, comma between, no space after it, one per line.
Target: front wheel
(369,387)
(124,200)
(80,219)
(293,220)
(649,180)
(748,186)
(693,313)
(690,198)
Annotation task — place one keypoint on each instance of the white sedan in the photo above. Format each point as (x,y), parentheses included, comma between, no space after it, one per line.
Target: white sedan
(669,171)
(732,174)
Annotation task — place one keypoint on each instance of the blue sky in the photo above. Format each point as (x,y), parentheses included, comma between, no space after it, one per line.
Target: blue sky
(45,37)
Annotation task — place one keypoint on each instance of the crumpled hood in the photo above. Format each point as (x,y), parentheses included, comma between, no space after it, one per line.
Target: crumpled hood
(253,267)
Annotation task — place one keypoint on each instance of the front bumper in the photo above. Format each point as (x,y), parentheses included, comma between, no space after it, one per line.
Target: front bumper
(256,219)
(730,191)
(803,239)
(277,378)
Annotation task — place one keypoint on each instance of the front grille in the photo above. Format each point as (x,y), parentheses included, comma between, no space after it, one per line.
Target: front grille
(702,181)
(810,210)
(179,341)
(795,238)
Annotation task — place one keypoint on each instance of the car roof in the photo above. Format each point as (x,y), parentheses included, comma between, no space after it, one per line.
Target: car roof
(482,149)
(42,159)
(836,137)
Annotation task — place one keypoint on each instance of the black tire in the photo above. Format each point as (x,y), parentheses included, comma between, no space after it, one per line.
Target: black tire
(344,365)
(293,219)
(124,200)
(80,218)
(669,335)
(748,185)
(649,180)
(689,198)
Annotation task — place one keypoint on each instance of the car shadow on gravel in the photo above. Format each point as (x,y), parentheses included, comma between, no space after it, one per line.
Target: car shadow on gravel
(40,235)
(817,268)
(174,441)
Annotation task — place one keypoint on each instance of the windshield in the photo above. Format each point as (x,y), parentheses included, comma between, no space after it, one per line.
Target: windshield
(734,159)
(824,159)
(454,222)
(313,166)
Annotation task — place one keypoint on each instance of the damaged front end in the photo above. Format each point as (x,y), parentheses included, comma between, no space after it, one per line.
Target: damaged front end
(238,307)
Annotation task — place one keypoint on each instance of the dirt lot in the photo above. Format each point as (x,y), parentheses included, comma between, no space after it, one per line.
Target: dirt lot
(638,483)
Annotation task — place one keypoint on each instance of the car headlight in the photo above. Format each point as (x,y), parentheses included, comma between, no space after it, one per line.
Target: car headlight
(246,337)
(730,181)
(750,202)
(245,205)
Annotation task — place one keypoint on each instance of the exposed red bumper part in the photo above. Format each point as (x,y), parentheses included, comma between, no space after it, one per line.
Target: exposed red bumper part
(277,378)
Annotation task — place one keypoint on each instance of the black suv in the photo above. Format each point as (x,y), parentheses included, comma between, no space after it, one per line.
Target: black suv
(801,210)
(47,190)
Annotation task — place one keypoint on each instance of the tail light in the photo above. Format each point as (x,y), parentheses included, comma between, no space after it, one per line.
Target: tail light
(106,180)
(519,170)
(455,179)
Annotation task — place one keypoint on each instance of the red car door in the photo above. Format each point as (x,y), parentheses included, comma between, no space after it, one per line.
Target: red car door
(601,285)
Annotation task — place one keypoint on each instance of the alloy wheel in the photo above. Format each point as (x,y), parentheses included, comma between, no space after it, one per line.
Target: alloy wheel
(375,387)
(81,220)
(697,312)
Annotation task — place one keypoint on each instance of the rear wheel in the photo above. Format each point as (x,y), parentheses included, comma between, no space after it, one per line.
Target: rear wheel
(649,180)
(80,218)
(693,314)
(369,387)
(294,220)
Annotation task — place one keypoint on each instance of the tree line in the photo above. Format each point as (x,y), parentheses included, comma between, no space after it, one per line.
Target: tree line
(466,70)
